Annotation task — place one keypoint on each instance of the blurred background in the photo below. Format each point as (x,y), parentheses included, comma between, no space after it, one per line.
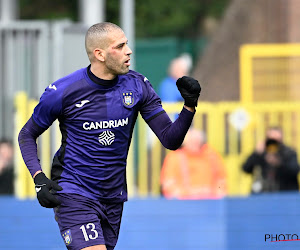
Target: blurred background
(245,54)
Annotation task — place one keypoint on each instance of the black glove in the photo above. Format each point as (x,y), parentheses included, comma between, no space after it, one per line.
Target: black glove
(189,89)
(43,187)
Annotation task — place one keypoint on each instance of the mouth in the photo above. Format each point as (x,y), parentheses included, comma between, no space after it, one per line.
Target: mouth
(127,63)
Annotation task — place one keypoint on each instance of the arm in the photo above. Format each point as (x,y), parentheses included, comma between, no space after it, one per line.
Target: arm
(47,110)
(171,135)
(289,165)
(191,109)
(253,160)
(45,113)
(27,143)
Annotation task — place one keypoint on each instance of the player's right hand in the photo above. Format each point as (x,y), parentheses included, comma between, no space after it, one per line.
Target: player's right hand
(43,187)
(189,89)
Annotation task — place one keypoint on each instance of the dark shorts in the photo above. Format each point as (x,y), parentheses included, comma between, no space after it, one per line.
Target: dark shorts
(84,222)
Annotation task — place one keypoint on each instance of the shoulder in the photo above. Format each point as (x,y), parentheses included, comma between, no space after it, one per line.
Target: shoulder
(54,93)
(288,150)
(134,75)
(69,79)
(138,81)
(64,85)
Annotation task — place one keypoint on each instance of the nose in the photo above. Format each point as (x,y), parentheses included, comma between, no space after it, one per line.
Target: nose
(128,50)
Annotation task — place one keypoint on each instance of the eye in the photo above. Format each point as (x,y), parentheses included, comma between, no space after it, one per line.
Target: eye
(120,46)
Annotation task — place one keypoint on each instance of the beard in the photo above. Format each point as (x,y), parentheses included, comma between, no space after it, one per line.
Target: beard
(116,68)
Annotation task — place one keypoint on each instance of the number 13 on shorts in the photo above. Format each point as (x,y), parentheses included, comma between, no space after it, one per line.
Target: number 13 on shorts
(89,232)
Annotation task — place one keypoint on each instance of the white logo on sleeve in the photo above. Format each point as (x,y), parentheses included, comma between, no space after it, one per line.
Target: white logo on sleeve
(145,79)
(52,87)
(79,105)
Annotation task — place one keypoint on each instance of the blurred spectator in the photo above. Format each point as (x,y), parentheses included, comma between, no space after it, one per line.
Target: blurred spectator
(274,165)
(6,167)
(195,171)
(178,67)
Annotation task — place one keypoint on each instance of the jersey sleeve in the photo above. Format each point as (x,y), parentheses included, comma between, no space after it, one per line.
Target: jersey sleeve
(151,102)
(49,107)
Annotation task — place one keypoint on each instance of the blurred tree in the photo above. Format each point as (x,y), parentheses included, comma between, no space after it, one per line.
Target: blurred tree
(45,9)
(157,18)
(154,18)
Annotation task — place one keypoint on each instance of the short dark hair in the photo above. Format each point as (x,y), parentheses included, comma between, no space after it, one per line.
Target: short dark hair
(96,34)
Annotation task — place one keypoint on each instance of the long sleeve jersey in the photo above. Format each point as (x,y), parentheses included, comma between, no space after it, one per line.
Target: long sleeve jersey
(96,120)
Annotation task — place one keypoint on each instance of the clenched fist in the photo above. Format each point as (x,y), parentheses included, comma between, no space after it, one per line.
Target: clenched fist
(189,89)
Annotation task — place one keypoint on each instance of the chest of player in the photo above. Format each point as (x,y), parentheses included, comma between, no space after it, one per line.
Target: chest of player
(98,109)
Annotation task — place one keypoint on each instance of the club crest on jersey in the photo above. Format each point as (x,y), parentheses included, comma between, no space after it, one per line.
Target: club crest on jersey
(67,237)
(128,98)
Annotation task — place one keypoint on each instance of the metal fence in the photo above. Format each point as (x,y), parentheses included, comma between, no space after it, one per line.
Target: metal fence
(34,54)
(23,50)
(270,72)
(233,129)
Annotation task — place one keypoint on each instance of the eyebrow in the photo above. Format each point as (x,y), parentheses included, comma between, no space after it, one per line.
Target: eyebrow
(120,45)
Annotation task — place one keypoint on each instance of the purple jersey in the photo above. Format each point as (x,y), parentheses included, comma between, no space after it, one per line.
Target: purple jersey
(96,122)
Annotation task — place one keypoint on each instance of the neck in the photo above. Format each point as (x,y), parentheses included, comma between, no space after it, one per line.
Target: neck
(101,73)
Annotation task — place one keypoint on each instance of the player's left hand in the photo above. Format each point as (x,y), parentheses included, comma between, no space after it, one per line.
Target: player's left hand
(189,89)
(43,186)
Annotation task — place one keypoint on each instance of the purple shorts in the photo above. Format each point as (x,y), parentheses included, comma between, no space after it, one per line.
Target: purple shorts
(84,222)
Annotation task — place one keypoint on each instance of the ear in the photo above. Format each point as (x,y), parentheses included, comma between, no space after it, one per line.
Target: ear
(99,54)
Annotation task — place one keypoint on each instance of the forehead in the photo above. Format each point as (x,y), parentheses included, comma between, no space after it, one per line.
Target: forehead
(116,37)
(274,133)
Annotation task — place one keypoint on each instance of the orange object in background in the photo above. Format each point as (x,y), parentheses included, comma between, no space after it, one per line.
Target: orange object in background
(195,171)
